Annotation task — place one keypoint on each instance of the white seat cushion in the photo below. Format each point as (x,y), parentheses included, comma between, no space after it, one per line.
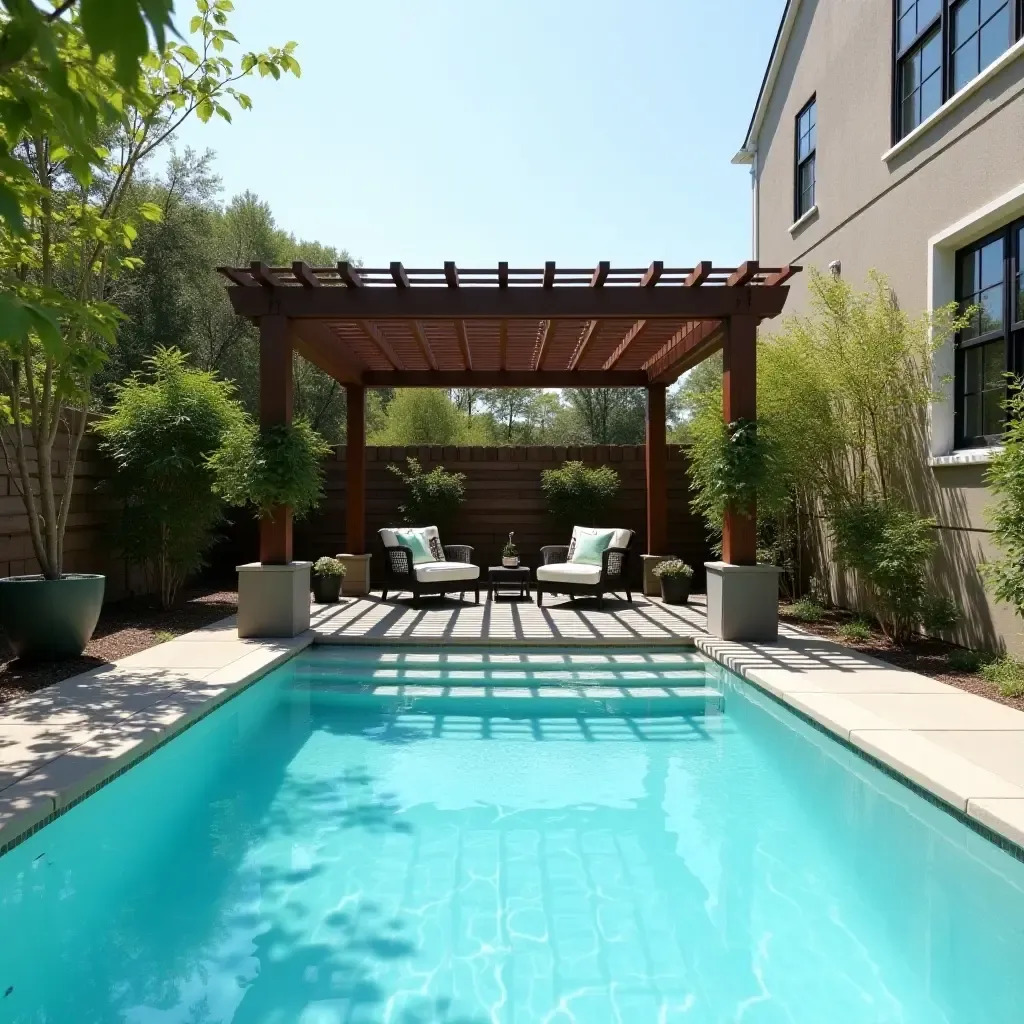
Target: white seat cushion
(436,572)
(569,572)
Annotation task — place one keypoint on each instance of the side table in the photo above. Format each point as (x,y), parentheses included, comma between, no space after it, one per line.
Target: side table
(500,578)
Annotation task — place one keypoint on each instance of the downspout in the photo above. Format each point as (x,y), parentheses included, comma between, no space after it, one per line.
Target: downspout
(755,189)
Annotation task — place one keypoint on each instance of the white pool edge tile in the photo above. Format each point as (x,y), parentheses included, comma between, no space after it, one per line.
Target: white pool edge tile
(65,779)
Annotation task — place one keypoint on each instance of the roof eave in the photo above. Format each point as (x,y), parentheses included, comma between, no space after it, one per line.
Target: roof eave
(771,74)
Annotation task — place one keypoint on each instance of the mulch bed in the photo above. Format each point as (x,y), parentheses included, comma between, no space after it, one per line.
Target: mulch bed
(926,656)
(125,627)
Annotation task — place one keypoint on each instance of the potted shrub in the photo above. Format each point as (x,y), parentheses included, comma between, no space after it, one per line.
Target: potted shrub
(675,576)
(510,554)
(327,576)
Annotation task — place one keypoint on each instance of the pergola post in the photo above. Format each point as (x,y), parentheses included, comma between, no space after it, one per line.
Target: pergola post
(273,593)
(357,562)
(739,401)
(656,449)
(275,409)
(743,597)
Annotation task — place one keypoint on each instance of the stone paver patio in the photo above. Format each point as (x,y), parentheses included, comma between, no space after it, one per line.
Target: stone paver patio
(62,742)
(454,621)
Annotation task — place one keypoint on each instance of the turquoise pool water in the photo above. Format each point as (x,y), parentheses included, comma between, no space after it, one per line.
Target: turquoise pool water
(344,843)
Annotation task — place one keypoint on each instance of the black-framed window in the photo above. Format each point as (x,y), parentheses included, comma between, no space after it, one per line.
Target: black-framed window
(940,45)
(989,277)
(806,147)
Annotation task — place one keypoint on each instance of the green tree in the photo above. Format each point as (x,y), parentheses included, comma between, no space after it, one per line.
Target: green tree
(56,326)
(164,425)
(843,393)
(421,416)
(54,90)
(609,415)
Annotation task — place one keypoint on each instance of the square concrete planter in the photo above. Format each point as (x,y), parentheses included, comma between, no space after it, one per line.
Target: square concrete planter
(357,575)
(273,600)
(743,601)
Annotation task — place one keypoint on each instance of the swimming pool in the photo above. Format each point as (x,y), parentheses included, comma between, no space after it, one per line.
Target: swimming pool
(461,836)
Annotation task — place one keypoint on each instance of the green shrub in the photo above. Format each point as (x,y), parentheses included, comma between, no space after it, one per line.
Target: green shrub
(1008,674)
(434,497)
(1005,476)
(939,615)
(888,546)
(963,660)
(807,610)
(855,629)
(579,495)
(327,566)
(674,568)
(510,550)
(734,464)
(264,468)
(164,425)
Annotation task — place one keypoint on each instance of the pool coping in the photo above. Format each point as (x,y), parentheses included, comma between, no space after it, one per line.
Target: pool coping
(79,734)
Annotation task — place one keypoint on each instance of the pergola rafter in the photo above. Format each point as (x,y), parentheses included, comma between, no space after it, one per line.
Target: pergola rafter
(507,326)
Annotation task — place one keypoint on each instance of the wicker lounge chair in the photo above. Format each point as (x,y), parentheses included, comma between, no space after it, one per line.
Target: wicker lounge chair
(449,568)
(560,574)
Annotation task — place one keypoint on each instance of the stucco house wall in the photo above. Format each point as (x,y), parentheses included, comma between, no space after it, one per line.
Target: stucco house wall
(903,210)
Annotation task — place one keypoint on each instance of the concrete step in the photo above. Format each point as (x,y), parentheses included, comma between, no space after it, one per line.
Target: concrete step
(530,701)
(315,675)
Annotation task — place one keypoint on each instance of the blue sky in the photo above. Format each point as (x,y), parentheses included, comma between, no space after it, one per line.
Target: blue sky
(479,131)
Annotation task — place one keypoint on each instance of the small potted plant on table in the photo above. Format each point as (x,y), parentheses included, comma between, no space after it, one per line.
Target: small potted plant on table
(510,554)
(675,576)
(326,579)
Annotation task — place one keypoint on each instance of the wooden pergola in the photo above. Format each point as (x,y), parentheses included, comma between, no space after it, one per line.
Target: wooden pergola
(548,327)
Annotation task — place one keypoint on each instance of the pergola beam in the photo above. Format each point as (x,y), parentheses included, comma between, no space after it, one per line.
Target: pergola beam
(744,274)
(323,348)
(421,340)
(304,275)
(639,328)
(542,347)
(690,345)
(653,274)
(698,275)
(349,275)
(467,356)
(584,343)
(378,339)
(399,276)
(505,379)
(526,303)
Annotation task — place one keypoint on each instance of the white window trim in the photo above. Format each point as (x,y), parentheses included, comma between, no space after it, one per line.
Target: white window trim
(802,220)
(966,457)
(954,101)
(942,249)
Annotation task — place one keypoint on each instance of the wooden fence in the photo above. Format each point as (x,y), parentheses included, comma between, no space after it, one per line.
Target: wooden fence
(503,493)
(89,541)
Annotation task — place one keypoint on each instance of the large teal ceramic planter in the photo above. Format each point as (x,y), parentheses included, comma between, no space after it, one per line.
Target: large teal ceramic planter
(50,619)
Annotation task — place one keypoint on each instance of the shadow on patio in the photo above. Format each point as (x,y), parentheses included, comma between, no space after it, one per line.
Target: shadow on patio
(369,619)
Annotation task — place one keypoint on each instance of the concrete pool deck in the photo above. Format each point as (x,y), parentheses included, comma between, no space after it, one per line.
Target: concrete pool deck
(59,744)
